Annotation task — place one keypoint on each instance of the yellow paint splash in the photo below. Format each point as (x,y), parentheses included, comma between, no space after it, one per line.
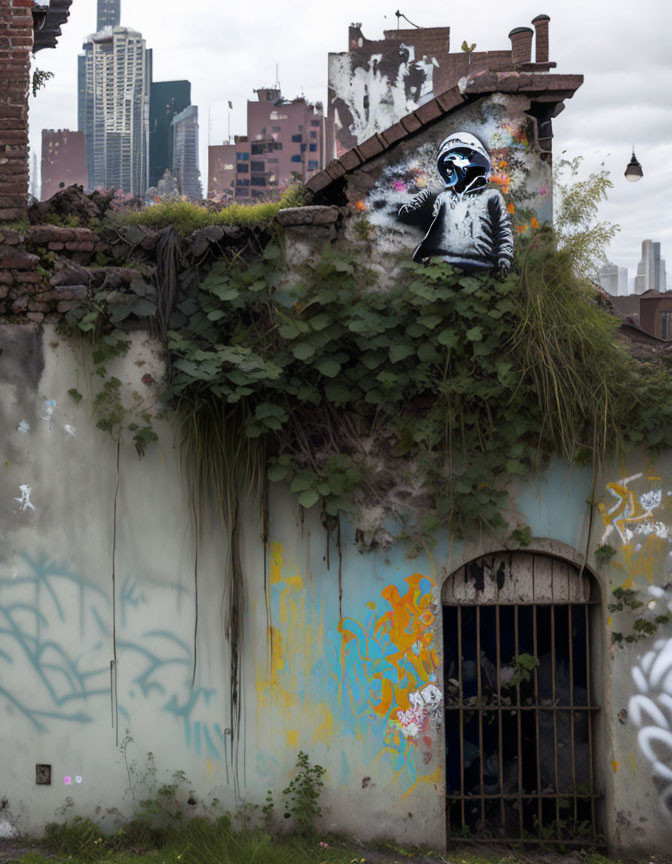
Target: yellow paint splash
(633,762)
(292,736)
(294,644)
(434,777)
(614,765)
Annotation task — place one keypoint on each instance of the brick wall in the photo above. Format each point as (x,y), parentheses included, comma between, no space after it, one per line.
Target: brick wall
(16,43)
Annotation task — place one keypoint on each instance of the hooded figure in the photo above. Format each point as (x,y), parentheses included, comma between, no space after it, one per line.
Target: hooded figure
(469,225)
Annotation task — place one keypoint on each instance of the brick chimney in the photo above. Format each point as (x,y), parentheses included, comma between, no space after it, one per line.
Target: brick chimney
(16,43)
(521,45)
(541,26)
(355,37)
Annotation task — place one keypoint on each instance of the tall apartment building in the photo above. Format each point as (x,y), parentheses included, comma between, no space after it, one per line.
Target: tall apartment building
(167,100)
(115,74)
(614,280)
(651,272)
(285,142)
(109,14)
(185,154)
(376,82)
(63,160)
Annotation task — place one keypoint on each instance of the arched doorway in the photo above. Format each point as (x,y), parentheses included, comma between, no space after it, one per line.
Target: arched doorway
(520,701)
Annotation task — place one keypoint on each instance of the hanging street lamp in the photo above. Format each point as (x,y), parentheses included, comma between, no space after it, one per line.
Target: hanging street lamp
(633,172)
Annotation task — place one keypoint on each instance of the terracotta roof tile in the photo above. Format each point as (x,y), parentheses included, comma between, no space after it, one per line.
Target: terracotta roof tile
(429,111)
(394,133)
(372,147)
(543,86)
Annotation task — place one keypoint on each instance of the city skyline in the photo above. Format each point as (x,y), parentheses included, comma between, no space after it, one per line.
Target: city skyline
(225,69)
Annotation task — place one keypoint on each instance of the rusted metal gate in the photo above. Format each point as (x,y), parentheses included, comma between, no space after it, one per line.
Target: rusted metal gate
(520,701)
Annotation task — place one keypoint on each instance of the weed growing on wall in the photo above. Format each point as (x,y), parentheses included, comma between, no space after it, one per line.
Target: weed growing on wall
(302,796)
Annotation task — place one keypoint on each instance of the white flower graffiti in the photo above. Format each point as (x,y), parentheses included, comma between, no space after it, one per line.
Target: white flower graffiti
(651,710)
(425,707)
(632,514)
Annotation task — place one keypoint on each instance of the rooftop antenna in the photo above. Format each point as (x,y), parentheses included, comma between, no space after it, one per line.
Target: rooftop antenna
(401,15)
(277,76)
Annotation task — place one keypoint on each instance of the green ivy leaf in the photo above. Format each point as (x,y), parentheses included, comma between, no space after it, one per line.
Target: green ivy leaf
(401,352)
(309,498)
(475,334)
(447,337)
(303,350)
(302,481)
(430,321)
(328,367)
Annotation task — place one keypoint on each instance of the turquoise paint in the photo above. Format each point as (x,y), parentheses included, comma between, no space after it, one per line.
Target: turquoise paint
(554,504)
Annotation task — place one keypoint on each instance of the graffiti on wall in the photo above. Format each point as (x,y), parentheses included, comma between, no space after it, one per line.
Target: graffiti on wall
(458,195)
(387,676)
(467,223)
(370,92)
(651,709)
(55,644)
(637,514)
(370,677)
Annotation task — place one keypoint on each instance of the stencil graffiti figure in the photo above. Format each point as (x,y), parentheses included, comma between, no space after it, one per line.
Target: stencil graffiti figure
(467,224)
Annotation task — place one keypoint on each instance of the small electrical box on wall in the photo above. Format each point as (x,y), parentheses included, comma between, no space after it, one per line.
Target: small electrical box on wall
(43,775)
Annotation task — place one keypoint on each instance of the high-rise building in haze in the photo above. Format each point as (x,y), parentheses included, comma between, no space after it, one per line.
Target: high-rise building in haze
(285,141)
(185,154)
(614,280)
(651,274)
(109,14)
(63,160)
(167,100)
(115,74)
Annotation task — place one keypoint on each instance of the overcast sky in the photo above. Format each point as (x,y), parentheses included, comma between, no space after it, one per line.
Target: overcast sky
(226,49)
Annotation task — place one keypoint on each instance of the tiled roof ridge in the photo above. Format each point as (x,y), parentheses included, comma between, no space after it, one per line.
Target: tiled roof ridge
(545,86)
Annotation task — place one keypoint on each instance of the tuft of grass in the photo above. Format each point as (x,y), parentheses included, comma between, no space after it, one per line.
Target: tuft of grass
(199,841)
(186,217)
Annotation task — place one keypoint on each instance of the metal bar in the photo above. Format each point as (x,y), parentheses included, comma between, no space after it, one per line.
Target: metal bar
(519,729)
(570,627)
(461,687)
(526,796)
(479,701)
(577,708)
(589,700)
(540,813)
(555,723)
(534,603)
(500,731)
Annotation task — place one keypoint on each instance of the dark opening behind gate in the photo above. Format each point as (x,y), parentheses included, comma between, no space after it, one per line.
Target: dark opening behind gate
(519,701)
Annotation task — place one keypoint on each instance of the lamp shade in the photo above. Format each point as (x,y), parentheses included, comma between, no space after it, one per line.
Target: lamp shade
(633,172)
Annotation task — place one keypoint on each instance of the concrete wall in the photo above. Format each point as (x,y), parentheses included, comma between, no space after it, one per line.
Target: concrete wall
(323,639)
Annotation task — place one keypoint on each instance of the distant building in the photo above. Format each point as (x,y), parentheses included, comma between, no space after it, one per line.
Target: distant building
(185,154)
(655,314)
(114,87)
(375,83)
(651,273)
(614,280)
(285,142)
(109,14)
(167,100)
(63,160)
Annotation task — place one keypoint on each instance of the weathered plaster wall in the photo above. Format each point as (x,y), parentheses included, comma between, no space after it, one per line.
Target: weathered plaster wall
(342,659)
